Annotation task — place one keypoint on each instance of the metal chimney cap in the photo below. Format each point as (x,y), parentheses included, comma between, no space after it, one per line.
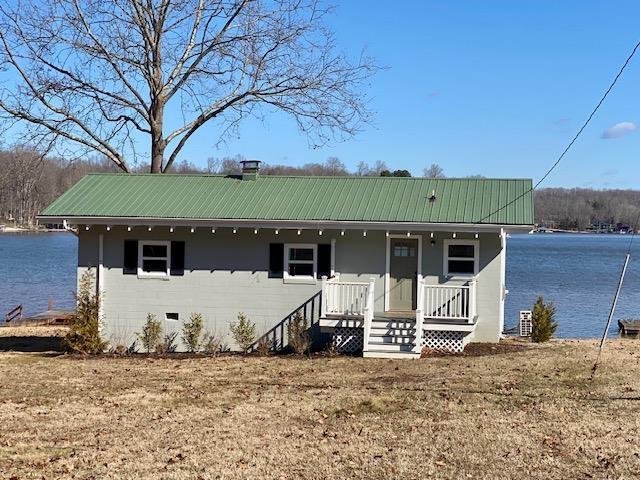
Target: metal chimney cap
(250,164)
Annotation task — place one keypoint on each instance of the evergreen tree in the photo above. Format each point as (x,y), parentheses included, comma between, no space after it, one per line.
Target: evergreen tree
(542,323)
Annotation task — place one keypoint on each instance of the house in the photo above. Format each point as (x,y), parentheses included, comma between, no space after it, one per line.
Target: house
(381,265)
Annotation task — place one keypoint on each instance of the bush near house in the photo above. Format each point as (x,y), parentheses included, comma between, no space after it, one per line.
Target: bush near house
(151,333)
(543,325)
(243,332)
(84,329)
(298,333)
(192,332)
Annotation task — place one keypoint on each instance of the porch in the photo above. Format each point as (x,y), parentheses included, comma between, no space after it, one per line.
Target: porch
(444,318)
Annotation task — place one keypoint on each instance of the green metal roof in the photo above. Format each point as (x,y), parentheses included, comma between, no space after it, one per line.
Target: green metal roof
(357,199)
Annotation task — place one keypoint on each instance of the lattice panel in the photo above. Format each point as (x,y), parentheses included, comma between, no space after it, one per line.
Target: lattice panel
(525,323)
(348,340)
(443,340)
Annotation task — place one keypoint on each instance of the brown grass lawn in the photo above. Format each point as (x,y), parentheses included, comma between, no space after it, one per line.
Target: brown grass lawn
(520,413)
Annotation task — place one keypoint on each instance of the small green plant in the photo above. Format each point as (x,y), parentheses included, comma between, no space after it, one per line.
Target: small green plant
(151,333)
(192,332)
(542,323)
(298,333)
(84,329)
(243,332)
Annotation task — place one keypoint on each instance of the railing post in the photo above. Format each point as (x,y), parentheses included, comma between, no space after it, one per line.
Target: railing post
(472,300)
(368,315)
(325,296)
(417,348)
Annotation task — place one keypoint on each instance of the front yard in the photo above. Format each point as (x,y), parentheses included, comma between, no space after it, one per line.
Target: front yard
(522,413)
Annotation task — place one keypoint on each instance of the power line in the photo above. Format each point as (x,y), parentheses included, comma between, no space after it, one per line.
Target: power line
(573,140)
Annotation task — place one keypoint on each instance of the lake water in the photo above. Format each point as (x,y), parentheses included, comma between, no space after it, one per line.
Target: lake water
(579,273)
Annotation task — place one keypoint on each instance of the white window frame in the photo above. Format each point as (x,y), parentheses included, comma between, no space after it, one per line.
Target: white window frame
(163,275)
(310,279)
(446,258)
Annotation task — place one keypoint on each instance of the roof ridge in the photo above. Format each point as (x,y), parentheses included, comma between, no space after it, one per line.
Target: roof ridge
(329,177)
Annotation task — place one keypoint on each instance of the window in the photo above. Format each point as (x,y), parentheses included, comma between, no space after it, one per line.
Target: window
(171,316)
(404,251)
(300,262)
(154,259)
(460,257)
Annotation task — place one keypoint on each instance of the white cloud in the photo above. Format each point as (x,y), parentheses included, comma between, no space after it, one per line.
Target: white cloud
(619,130)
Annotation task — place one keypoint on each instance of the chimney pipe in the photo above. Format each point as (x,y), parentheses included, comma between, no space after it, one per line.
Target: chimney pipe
(250,169)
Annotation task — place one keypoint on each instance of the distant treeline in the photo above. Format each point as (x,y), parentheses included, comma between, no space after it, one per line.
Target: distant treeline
(578,208)
(29,181)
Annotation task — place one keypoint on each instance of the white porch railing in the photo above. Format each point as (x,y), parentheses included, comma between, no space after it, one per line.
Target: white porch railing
(444,302)
(349,299)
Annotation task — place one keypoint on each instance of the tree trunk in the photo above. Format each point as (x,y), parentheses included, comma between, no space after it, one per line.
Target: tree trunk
(158,144)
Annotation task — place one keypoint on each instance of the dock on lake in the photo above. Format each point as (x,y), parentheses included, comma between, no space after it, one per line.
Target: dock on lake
(629,327)
(49,317)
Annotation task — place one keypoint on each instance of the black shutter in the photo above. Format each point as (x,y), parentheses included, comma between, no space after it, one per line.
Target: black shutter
(324,260)
(177,258)
(130,264)
(276,260)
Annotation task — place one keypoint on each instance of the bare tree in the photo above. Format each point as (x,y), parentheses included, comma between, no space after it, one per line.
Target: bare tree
(105,75)
(434,171)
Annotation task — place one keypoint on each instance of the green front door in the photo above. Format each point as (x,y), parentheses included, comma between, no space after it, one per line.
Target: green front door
(403,274)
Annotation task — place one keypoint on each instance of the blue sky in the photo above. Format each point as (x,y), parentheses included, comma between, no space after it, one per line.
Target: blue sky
(495,88)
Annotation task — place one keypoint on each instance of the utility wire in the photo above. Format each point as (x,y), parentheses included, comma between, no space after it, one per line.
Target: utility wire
(573,140)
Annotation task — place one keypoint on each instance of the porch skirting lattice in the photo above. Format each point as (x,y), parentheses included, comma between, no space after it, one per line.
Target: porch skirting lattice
(348,340)
(444,340)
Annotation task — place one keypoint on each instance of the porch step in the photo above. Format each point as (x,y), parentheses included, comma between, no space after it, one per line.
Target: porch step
(392,338)
(390,347)
(393,324)
(388,354)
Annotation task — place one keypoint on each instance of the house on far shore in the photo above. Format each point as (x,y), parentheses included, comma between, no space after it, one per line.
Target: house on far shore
(384,266)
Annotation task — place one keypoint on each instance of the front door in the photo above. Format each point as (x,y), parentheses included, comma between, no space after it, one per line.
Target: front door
(403,273)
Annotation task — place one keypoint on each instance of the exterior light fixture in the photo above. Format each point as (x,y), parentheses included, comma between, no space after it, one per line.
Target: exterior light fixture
(255,231)
(128,229)
(277,232)
(387,233)
(235,230)
(319,232)
(299,231)
(454,235)
(86,227)
(193,229)
(213,230)
(108,228)
(149,229)
(342,233)
(476,235)
(170,229)
(433,243)
(408,234)
(364,233)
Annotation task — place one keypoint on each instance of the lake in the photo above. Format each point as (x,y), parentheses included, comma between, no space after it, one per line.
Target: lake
(579,273)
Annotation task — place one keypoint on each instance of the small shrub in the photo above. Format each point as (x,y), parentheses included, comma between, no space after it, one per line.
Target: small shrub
(211,345)
(264,346)
(298,334)
(151,333)
(542,324)
(192,332)
(168,344)
(84,329)
(243,332)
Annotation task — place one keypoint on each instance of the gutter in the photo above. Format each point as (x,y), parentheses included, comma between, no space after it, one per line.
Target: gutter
(285,224)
